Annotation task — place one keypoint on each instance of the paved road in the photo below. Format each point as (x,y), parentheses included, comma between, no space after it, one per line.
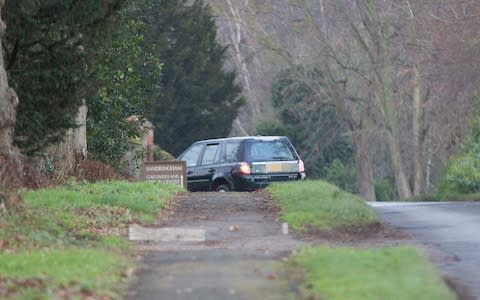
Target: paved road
(452,228)
(238,259)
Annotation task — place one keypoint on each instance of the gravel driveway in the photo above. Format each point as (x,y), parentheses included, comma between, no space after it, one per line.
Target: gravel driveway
(238,260)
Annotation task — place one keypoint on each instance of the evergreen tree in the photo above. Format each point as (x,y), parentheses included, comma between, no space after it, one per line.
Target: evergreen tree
(50,48)
(200,99)
(127,74)
(316,129)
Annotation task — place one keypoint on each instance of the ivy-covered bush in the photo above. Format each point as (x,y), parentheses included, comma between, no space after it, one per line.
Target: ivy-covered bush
(462,175)
(463,172)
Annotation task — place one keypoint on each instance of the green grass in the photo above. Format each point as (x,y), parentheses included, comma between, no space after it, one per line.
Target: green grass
(70,238)
(139,197)
(350,273)
(86,268)
(81,211)
(320,205)
(384,273)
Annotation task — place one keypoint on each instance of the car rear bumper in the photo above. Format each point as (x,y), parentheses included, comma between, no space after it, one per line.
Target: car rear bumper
(255,182)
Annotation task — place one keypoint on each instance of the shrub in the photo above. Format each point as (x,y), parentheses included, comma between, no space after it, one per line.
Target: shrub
(385,190)
(271,127)
(462,174)
(159,154)
(342,175)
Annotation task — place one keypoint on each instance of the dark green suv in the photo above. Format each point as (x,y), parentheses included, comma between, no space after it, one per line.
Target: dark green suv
(241,163)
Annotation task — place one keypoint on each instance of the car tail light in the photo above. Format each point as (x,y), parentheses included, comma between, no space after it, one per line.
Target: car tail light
(245,169)
(301,166)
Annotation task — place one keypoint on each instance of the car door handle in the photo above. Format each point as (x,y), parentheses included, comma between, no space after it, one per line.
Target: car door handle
(189,172)
(212,170)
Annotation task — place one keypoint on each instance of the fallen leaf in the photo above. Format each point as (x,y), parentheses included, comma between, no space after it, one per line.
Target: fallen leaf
(271,277)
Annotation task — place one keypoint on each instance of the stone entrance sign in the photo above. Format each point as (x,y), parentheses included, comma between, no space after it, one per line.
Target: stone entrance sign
(174,172)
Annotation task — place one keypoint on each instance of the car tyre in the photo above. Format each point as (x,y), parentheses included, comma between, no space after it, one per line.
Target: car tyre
(222,188)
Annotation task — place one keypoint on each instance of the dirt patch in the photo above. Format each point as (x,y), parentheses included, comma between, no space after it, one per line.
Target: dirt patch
(10,287)
(240,221)
(93,171)
(355,234)
(13,288)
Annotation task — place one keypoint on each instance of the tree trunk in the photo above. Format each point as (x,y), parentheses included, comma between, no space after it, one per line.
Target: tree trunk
(393,133)
(10,162)
(363,164)
(418,135)
(401,182)
(8,103)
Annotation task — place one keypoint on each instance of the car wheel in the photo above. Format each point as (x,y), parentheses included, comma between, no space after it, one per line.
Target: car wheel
(222,188)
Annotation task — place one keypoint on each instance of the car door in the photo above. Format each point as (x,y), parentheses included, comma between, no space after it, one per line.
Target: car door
(207,166)
(192,158)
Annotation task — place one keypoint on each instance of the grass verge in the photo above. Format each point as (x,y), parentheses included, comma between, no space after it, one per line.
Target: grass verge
(339,273)
(383,273)
(70,241)
(91,270)
(318,205)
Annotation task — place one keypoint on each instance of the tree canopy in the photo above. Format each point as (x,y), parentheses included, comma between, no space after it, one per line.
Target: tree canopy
(50,48)
(199,98)
(128,74)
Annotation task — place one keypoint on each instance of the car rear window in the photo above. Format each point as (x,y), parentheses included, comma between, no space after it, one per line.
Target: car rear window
(261,150)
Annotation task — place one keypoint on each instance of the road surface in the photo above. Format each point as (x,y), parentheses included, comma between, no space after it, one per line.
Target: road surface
(452,229)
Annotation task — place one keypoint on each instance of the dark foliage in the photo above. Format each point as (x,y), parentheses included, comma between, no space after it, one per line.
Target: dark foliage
(128,75)
(200,99)
(315,128)
(50,48)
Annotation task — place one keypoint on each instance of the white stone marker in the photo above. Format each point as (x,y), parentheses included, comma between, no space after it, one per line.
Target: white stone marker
(165,234)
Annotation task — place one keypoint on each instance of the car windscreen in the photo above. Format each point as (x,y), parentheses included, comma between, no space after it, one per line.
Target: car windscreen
(269,150)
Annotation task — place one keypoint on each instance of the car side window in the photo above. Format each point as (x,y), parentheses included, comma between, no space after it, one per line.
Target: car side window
(232,152)
(211,154)
(192,155)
